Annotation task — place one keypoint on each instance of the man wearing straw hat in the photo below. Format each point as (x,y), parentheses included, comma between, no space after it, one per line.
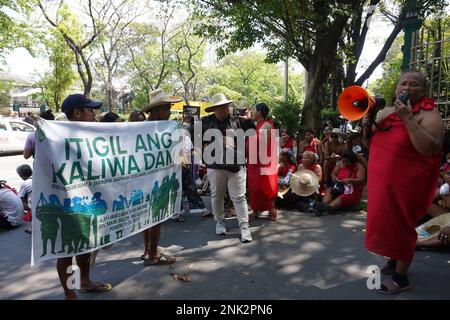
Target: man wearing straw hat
(224,174)
(159,109)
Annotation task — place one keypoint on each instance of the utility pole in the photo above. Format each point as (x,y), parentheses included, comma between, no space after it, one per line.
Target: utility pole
(412,23)
(286,79)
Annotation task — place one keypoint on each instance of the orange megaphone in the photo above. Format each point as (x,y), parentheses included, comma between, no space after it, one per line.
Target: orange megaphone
(354,103)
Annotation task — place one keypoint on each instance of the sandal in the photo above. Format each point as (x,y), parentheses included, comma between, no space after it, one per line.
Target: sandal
(207,214)
(161,260)
(99,287)
(253,216)
(180,219)
(273,215)
(388,267)
(391,287)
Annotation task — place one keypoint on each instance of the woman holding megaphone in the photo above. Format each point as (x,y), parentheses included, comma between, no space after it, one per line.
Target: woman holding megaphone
(403,168)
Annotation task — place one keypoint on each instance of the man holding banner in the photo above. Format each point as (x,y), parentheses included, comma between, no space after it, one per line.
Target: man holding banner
(159,109)
(79,108)
(99,183)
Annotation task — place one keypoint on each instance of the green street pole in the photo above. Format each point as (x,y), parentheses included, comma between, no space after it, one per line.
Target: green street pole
(411,24)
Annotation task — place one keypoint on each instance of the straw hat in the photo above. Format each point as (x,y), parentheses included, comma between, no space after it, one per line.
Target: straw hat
(282,191)
(304,183)
(218,99)
(432,228)
(336,130)
(158,98)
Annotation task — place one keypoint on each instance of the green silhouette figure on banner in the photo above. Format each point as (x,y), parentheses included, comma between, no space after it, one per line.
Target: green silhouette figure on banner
(175,185)
(155,203)
(76,217)
(165,197)
(49,226)
(137,197)
(98,207)
(120,203)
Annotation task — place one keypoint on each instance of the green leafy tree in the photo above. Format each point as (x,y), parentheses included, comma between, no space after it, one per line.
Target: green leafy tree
(189,51)
(151,62)
(392,68)
(5,99)
(13,31)
(81,38)
(55,84)
(306,30)
(287,114)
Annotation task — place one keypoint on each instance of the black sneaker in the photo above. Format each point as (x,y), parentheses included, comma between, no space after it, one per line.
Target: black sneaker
(322,207)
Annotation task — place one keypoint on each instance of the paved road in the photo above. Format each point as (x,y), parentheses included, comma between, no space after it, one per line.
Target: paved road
(298,257)
(8,165)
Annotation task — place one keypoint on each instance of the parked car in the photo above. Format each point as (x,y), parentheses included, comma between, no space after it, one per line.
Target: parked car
(13,134)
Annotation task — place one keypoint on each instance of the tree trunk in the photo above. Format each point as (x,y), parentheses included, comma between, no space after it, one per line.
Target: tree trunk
(320,66)
(110,87)
(312,105)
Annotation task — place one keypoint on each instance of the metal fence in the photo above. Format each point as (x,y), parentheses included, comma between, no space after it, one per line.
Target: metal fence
(430,53)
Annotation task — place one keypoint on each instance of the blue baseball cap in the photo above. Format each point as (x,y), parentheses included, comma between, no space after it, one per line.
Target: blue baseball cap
(78,101)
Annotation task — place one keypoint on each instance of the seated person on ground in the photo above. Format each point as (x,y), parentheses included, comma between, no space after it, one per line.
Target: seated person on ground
(333,150)
(286,141)
(286,167)
(441,203)
(309,143)
(351,175)
(434,233)
(305,193)
(11,208)
(25,192)
(354,144)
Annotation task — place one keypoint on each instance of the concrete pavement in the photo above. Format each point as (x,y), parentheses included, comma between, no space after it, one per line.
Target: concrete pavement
(298,257)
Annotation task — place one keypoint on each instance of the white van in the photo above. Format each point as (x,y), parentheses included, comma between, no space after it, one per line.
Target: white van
(13,134)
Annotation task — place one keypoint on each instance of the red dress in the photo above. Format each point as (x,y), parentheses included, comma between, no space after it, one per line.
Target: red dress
(288,145)
(283,171)
(262,188)
(313,146)
(400,188)
(355,197)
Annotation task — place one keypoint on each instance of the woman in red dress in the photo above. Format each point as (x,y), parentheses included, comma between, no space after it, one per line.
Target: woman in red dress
(353,175)
(402,173)
(309,143)
(263,175)
(286,141)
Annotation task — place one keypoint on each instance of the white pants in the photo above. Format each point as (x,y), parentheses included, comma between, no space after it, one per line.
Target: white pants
(220,180)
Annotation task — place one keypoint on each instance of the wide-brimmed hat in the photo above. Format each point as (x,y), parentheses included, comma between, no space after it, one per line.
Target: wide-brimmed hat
(217,100)
(432,228)
(282,191)
(336,130)
(158,98)
(304,183)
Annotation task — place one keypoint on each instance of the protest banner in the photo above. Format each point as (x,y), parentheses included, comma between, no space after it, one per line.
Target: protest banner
(98,183)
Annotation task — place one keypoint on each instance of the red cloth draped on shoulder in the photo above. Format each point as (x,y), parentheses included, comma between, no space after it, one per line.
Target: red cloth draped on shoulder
(400,188)
(262,188)
(283,171)
(313,146)
(288,145)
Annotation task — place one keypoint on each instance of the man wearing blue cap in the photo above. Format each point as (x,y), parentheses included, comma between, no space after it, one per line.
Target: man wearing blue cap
(79,108)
